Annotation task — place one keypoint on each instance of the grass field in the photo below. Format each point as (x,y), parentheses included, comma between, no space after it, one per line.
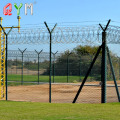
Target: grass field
(34,78)
(45,111)
(42,78)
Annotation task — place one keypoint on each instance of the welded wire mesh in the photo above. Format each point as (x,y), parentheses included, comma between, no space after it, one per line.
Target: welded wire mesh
(68,70)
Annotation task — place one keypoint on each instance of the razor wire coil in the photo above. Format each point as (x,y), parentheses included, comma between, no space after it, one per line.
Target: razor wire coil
(80,34)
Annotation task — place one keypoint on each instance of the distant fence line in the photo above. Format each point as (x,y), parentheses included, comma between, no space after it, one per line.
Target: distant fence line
(62,64)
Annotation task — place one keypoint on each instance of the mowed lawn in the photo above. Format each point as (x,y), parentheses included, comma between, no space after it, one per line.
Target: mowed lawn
(44,111)
(44,78)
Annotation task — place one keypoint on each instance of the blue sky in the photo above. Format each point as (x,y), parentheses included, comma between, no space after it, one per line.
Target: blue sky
(55,11)
(58,11)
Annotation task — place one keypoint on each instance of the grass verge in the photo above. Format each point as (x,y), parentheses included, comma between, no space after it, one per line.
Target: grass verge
(44,111)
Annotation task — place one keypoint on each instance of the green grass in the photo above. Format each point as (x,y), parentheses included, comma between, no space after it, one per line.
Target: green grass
(45,111)
(42,78)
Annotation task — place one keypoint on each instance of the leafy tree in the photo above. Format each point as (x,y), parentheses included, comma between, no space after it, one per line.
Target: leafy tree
(86,50)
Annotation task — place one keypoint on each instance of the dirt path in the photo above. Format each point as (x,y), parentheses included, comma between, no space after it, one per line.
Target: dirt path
(61,93)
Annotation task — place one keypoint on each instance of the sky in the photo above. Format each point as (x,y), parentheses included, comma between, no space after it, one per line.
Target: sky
(57,11)
(64,11)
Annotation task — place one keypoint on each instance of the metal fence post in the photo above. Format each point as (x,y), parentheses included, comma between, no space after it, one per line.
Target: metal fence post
(68,66)
(104,68)
(54,65)
(67,69)
(16,65)
(50,65)
(91,70)
(113,73)
(28,66)
(104,63)
(80,68)
(38,53)
(22,52)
